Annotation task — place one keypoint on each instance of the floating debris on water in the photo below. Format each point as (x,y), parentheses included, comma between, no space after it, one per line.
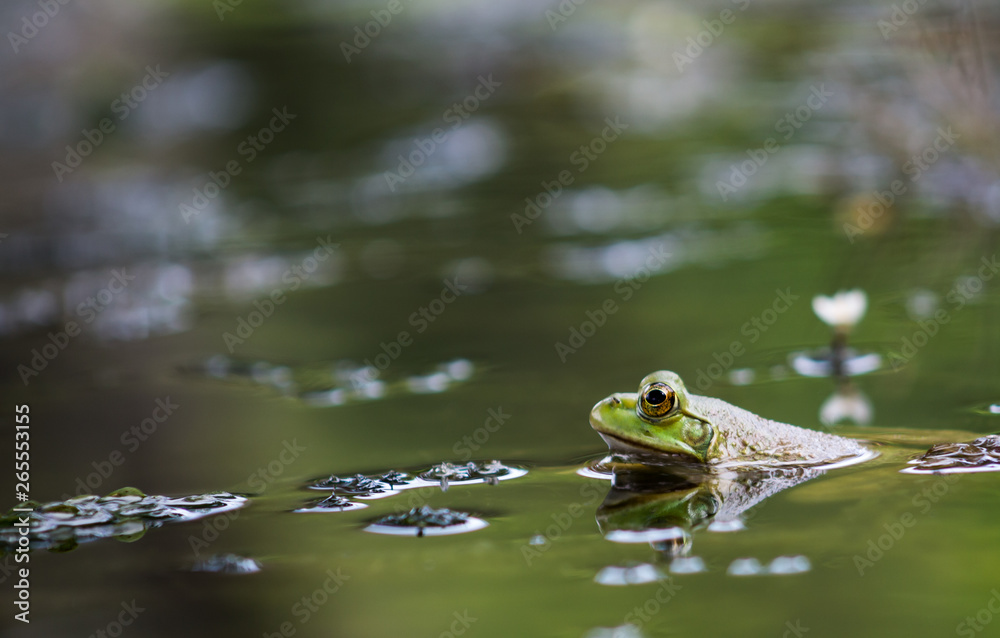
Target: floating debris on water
(780,566)
(922,304)
(742,376)
(980,455)
(621,631)
(331,385)
(432,383)
(426,521)
(375,486)
(332,503)
(687,565)
(124,514)
(446,474)
(745,567)
(630,259)
(362,486)
(991,409)
(637,575)
(789,565)
(227,564)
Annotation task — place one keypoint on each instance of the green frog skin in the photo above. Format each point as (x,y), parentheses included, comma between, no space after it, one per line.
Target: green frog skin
(664,420)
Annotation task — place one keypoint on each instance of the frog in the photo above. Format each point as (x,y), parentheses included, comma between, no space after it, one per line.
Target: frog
(663,421)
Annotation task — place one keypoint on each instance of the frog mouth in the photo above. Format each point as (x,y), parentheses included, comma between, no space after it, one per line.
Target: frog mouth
(621,445)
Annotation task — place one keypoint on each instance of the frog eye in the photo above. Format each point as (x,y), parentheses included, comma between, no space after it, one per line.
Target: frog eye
(657,400)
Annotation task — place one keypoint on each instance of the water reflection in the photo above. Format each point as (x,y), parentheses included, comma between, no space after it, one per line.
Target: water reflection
(664,506)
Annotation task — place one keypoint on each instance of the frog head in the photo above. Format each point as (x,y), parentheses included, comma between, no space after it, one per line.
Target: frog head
(659,419)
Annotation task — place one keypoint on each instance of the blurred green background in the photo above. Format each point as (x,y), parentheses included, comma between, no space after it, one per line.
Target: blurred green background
(210,149)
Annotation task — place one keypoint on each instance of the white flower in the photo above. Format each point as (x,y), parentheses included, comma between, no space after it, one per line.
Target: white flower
(846,405)
(843,310)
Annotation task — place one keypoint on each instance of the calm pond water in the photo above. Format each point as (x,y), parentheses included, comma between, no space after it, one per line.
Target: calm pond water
(216,215)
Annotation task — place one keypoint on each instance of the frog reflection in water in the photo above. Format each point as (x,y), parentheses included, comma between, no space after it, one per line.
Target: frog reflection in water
(644,498)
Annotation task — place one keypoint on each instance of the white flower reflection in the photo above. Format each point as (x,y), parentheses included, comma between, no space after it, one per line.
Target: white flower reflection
(846,404)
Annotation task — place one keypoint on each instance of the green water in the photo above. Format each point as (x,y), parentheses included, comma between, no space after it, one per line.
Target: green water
(644,194)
